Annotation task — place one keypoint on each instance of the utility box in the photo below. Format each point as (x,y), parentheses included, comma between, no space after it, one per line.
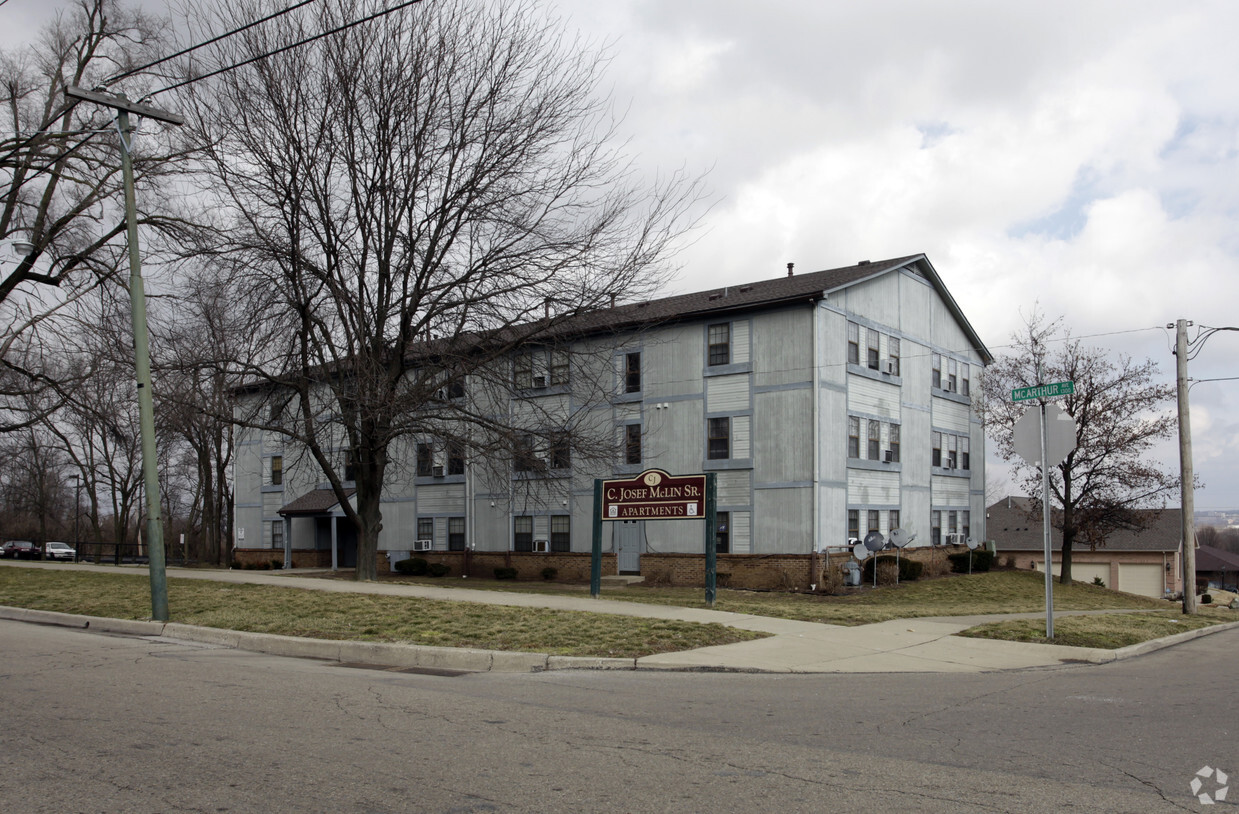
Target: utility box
(851,573)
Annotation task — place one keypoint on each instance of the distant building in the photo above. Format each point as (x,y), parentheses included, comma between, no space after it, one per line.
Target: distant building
(1143,562)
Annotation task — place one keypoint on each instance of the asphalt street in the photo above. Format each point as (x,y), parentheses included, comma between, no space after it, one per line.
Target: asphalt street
(97,723)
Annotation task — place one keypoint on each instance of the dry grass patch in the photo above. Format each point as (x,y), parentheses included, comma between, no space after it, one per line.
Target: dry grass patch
(956,595)
(322,615)
(1109,631)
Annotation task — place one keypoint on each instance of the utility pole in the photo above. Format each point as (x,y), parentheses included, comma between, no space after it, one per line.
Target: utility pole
(1187,492)
(141,340)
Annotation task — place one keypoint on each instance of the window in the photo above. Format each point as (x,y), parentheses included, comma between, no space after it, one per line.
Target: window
(894,518)
(561,451)
(522,533)
(722,533)
(559,367)
(952,452)
(425,460)
(936,440)
(964,388)
(523,458)
(875,520)
(277,534)
(936,361)
(873,354)
(719,340)
(456,534)
(964,457)
(875,440)
(426,529)
(965,524)
(935,528)
(951,528)
(455,458)
(853,524)
(719,439)
(277,470)
(853,343)
(632,444)
(892,345)
(561,532)
(952,378)
(522,371)
(456,387)
(853,437)
(350,465)
(632,373)
(894,443)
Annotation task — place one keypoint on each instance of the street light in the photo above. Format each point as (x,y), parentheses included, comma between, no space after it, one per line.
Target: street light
(77,515)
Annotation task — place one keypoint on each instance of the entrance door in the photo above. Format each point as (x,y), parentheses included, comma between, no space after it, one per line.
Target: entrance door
(346,543)
(629,542)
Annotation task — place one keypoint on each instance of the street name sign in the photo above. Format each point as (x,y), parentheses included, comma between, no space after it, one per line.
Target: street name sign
(1043,391)
(655,495)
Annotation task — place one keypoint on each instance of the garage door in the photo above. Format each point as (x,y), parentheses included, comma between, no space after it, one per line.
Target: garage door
(1085,572)
(1146,580)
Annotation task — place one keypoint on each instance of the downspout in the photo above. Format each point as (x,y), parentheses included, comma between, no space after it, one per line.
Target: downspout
(815,538)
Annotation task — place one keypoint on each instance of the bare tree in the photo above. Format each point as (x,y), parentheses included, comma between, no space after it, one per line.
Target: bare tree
(1120,413)
(409,203)
(60,170)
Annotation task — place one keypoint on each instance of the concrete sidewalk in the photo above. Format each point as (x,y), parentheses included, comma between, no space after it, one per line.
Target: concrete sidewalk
(902,645)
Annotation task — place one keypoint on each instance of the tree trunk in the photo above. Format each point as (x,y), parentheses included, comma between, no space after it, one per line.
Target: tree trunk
(1064,577)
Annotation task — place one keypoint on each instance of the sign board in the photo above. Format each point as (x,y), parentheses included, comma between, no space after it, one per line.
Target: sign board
(1060,434)
(655,495)
(1043,391)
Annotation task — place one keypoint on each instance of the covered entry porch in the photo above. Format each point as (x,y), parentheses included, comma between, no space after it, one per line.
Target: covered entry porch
(316,522)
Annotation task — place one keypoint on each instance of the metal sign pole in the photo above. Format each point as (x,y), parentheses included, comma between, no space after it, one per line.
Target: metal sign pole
(711,541)
(595,565)
(1045,527)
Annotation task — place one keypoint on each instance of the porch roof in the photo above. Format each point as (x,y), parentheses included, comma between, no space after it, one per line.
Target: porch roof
(318,501)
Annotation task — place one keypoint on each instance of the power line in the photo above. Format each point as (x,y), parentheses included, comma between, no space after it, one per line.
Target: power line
(211,41)
(289,47)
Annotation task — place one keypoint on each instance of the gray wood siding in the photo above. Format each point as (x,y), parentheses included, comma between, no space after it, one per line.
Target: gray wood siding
(727,393)
(782,521)
(740,342)
(782,436)
(782,347)
(742,436)
(741,532)
(951,491)
(734,488)
(441,499)
(866,488)
(869,397)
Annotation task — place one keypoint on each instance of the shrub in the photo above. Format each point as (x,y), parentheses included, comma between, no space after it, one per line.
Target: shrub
(908,569)
(550,572)
(982,560)
(1099,581)
(277,564)
(438,569)
(412,567)
(235,565)
(1206,599)
(505,573)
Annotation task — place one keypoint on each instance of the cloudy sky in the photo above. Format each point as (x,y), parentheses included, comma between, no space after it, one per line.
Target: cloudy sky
(1081,157)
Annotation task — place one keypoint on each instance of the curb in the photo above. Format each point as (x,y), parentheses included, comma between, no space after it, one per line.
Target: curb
(1153,645)
(383,654)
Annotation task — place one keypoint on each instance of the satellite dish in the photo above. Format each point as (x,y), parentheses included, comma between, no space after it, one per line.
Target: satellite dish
(874,541)
(901,538)
(860,552)
(972,542)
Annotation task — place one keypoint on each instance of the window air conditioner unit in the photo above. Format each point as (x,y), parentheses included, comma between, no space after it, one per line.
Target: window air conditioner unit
(441,394)
(423,545)
(950,387)
(539,381)
(889,457)
(539,463)
(541,546)
(436,471)
(888,367)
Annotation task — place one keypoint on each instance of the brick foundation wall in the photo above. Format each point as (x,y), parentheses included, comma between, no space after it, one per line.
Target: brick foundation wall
(264,556)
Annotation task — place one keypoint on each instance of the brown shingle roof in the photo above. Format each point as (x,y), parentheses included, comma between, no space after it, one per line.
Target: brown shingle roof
(1209,558)
(319,501)
(1015,525)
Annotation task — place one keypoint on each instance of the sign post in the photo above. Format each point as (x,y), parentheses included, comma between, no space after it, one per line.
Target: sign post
(1044,436)
(654,495)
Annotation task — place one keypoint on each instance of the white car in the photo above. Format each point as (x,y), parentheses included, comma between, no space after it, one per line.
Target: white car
(59,551)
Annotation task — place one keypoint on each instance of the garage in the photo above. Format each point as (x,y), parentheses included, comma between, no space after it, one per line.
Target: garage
(1143,579)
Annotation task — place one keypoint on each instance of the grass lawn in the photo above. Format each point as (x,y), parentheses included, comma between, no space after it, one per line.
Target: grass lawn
(1111,631)
(321,615)
(959,595)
